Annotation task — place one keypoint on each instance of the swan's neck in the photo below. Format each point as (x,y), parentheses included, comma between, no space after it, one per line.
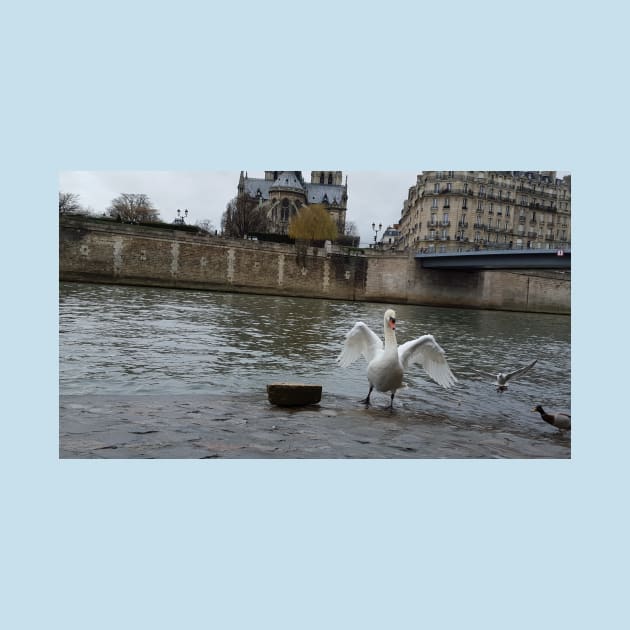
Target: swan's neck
(390,339)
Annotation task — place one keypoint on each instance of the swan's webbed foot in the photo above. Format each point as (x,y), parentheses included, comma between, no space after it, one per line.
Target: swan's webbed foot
(366,400)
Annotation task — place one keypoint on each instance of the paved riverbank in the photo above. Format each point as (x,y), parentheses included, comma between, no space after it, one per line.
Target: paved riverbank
(177,427)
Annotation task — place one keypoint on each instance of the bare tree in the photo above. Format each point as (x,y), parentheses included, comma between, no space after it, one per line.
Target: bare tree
(69,203)
(133,208)
(242,217)
(351,229)
(205,225)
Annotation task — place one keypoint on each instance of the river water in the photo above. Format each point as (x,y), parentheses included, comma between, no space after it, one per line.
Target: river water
(121,349)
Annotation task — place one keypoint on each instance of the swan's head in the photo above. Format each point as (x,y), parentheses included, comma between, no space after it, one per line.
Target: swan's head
(390,319)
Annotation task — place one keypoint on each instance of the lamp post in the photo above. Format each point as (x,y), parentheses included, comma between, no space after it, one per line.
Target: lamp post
(180,217)
(376,231)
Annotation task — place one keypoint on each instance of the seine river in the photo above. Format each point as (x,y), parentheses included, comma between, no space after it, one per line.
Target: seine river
(218,351)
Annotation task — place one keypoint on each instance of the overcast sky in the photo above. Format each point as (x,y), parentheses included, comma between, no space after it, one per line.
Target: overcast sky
(373,197)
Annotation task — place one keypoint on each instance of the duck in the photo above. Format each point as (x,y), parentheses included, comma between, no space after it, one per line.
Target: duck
(559,420)
(387,361)
(502,378)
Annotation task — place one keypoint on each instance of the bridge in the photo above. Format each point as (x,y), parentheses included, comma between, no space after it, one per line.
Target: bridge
(498,259)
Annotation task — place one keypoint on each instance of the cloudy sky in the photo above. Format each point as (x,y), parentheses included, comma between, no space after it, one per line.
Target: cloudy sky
(373,197)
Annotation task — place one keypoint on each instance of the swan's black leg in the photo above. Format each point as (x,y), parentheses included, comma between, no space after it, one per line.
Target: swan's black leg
(366,401)
(391,403)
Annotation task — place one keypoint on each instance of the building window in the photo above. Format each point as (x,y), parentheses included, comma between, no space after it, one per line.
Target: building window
(445,218)
(479,205)
(330,178)
(285,210)
(448,185)
(507,211)
(434,202)
(321,178)
(436,188)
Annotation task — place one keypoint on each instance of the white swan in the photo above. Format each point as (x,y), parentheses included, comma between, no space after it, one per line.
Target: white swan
(504,377)
(387,363)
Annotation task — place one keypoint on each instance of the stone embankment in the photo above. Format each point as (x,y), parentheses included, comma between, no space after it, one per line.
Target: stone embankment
(108,252)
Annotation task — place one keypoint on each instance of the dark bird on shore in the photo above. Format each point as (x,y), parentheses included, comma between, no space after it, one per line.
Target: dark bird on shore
(387,362)
(559,420)
(502,378)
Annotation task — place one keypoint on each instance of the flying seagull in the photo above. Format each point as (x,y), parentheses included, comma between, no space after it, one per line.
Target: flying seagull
(503,377)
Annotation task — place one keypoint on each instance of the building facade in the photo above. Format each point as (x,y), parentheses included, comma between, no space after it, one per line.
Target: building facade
(461,210)
(283,193)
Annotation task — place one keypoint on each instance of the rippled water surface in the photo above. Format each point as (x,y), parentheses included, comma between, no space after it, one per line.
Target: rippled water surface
(119,340)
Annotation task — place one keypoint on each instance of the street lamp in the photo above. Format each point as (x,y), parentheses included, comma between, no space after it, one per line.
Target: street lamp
(376,231)
(180,217)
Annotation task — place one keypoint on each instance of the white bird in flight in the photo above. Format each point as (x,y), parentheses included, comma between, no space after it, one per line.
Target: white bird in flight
(502,378)
(387,362)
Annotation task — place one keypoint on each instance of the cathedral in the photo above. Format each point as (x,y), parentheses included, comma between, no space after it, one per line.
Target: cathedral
(283,193)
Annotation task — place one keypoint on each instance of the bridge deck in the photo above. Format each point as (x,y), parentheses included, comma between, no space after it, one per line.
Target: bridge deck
(498,259)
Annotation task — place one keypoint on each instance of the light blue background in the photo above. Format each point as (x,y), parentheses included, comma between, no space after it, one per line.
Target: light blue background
(289,544)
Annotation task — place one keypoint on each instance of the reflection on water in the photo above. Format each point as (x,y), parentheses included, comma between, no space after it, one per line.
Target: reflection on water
(132,340)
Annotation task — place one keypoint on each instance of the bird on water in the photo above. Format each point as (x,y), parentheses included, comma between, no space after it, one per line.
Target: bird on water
(559,420)
(388,361)
(502,378)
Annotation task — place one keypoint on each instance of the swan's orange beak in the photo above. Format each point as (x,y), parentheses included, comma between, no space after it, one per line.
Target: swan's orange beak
(392,323)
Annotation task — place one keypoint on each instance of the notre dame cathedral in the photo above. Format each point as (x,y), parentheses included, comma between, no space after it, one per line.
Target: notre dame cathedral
(283,193)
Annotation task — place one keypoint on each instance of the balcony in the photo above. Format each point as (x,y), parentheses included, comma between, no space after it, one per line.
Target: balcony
(462,224)
(445,223)
(532,234)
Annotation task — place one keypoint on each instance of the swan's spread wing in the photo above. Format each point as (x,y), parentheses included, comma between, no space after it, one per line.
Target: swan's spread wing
(520,371)
(360,341)
(426,351)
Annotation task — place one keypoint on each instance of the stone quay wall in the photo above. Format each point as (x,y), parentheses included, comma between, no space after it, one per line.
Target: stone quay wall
(109,252)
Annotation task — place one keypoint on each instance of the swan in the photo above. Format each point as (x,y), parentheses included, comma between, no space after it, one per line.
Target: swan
(387,362)
(503,377)
(558,420)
